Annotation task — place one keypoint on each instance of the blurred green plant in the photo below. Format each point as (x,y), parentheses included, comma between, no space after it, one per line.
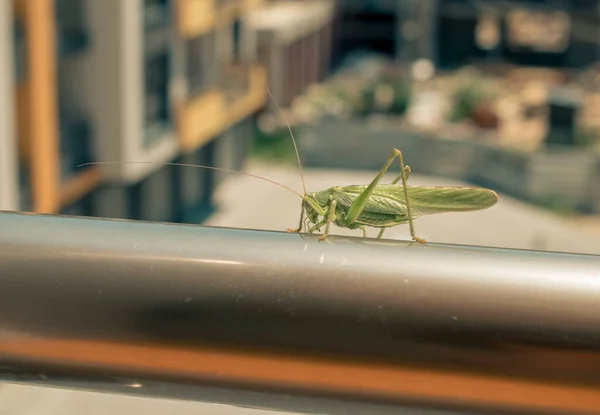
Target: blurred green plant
(402,98)
(465,98)
(273,146)
(586,138)
(558,205)
(384,96)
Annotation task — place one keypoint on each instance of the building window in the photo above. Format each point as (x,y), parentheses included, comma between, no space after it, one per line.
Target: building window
(237,40)
(150,199)
(193,188)
(156,91)
(20,53)
(75,142)
(539,31)
(201,63)
(156,13)
(72,35)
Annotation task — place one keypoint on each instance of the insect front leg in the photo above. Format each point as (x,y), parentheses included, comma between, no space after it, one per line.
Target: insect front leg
(359,204)
(330,218)
(301,218)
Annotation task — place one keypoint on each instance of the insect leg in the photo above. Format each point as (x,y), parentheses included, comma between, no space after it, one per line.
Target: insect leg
(382,230)
(405,186)
(317,226)
(361,201)
(406,174)
(330,218)
(301,218)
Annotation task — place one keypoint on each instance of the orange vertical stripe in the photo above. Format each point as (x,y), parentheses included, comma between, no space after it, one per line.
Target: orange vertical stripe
(42,108)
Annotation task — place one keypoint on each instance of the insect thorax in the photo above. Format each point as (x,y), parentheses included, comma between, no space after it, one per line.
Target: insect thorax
(320,199)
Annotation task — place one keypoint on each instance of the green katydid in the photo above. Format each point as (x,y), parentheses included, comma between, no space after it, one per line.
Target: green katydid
(374,205)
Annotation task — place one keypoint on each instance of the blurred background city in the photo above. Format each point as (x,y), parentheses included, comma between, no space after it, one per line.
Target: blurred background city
(501,94)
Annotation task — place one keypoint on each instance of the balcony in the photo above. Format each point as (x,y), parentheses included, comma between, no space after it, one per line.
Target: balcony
(196,17)
(214,111)
(200,119)
(234,81)
(253,99)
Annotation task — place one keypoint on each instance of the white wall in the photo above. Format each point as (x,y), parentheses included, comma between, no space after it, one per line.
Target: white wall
(113,69)
(8,139)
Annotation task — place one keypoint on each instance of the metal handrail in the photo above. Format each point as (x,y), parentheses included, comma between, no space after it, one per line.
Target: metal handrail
(282,321)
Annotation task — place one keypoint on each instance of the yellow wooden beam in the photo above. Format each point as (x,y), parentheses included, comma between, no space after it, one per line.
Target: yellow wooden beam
(253,100)
(42,113)
(201,119)
(198,17)
(195,17)
(79,185)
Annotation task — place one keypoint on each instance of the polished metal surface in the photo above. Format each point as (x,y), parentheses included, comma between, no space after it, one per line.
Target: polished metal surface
(176,310)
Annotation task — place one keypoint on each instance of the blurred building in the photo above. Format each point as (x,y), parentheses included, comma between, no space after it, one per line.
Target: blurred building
(452,33)
(295,44)
(143,80)
(9,176)
(555,33)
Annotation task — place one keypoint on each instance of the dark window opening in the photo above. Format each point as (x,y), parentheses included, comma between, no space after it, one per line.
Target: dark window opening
(201,63)
(72,34)
(156,90)
(75,142)
(237,40)
(193,188)
(156,13)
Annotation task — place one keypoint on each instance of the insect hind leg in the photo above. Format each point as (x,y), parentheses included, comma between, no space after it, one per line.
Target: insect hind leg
(407,172)
(405,186)
(361,201)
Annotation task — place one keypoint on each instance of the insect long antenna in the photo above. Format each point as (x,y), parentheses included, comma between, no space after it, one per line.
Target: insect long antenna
(197,166)
(293,139)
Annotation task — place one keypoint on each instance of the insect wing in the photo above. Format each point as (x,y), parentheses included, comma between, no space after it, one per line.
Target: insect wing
(425,200)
